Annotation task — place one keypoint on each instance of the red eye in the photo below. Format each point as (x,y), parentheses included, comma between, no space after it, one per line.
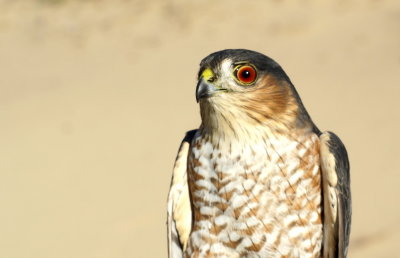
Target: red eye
(246,74)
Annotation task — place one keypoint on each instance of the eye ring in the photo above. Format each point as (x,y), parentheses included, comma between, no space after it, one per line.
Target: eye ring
(245,74)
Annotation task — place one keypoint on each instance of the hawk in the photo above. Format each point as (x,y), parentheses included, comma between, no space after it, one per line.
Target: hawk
(257,178)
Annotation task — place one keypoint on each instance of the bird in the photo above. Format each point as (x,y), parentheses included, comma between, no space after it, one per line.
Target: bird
(257,178)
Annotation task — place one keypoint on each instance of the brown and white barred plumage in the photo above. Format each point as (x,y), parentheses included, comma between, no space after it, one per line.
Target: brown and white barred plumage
(249,181)
(252,201)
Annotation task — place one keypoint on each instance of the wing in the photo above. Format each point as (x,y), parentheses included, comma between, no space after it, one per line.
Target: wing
(337,196)
(179,214)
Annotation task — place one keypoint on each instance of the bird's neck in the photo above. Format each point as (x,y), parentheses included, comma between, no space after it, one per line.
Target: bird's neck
(235,127)
(236,124)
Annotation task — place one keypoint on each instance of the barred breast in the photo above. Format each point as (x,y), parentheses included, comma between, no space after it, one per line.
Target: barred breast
(255,199)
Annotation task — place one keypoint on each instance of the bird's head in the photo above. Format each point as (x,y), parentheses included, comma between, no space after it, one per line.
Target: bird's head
(238,87)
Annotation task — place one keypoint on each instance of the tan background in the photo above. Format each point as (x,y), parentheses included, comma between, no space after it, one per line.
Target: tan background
(95,97)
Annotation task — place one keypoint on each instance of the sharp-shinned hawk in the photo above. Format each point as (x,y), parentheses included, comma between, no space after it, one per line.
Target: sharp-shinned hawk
(257,178)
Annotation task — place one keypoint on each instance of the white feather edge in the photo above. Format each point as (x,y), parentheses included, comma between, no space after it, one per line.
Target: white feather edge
(329,182)
(178,208)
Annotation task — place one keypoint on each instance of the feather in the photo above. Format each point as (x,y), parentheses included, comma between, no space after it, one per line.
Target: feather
(337,196)
(179,210)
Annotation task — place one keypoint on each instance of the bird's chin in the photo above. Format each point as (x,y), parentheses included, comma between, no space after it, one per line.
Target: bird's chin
(211,97)
(211,100)
(217,104)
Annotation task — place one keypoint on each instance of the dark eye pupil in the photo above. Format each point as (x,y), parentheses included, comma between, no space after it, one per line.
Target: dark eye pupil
(246,74)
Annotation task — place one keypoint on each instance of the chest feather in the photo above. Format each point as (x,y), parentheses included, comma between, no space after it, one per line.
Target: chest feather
(252,199)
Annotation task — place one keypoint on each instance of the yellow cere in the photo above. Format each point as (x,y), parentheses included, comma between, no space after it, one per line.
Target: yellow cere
(207,74)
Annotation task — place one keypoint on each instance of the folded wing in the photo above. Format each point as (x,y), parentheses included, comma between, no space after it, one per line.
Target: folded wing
(179,214)
(336,194)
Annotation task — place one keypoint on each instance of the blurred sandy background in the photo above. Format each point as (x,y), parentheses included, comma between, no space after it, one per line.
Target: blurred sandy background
(95,97)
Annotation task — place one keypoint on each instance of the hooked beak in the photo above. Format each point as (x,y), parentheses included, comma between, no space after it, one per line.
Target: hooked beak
(205,89)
